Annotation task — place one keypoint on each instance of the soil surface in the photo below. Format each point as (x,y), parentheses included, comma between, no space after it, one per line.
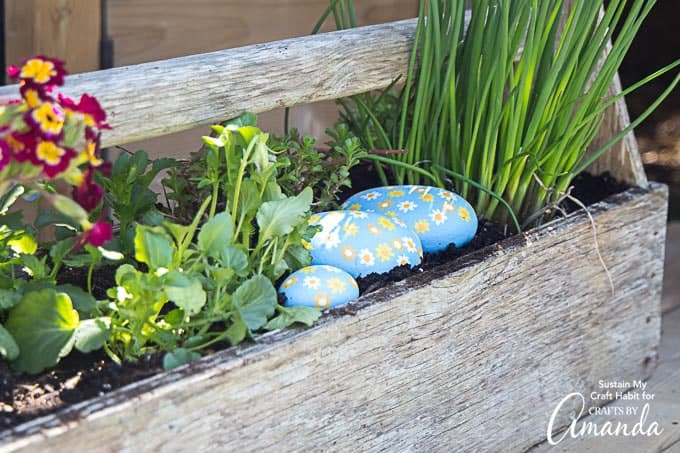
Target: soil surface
(79,377)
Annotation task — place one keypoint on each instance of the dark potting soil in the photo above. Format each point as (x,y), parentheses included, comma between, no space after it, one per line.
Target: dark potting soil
(79,377)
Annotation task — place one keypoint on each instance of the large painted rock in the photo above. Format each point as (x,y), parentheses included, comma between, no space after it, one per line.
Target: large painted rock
(362,243)
(319,286)
(439,217)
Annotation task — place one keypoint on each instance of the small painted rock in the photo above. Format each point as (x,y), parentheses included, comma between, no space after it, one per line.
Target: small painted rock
(362,242)
(439,217)
(319,286)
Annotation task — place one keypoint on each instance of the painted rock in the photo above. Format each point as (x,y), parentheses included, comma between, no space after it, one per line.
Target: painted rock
(362,242)
(439,217)
(319,286)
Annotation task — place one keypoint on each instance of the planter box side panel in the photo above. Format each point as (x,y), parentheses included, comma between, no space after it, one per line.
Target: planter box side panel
(475,357)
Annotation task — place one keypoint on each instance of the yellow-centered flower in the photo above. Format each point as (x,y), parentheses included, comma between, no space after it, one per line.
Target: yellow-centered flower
(38,70)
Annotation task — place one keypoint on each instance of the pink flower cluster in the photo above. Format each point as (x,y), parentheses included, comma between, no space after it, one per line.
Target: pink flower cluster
(48,136)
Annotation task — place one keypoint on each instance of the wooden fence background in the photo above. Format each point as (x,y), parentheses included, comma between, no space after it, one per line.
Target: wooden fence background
(149,30)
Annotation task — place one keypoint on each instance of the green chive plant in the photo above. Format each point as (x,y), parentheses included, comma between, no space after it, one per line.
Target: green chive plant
(505,108)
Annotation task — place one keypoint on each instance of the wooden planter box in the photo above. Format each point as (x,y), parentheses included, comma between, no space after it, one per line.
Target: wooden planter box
(475,353)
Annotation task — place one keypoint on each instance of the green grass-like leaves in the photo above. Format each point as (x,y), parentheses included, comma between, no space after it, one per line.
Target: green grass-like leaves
(511,104)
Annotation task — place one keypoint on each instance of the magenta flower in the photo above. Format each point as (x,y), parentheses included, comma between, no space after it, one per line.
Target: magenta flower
(54,158)
(23,147)
(88,106)
(34,95)
(88,194)
(47,120)
(100,233)
(39,70)
(5,154)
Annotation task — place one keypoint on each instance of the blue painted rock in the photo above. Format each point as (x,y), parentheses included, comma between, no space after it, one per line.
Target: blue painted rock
(439,217)
(362,242)
(319,286)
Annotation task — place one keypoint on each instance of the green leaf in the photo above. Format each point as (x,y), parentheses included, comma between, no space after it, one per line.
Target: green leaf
(37,267)
(9,349)
(92,334)
(178,232)
(234,258)
(255,301)
(125,273)
(213,142)
(49,217)
(44,326)
(153,247)
(82,301)
(237,331)
(278,218)
(273,192)
(215,234)
(69,208)
(291,315)
(13,220)
(10,197)
(178,357)
(26,243)
(60,249)
(175,317)
(186,292)
(250,198)
(245,119)
(9,298)
(79,260)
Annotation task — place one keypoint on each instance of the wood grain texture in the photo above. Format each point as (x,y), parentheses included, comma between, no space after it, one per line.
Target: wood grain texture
(473,355)
(664,409)
(65,29)
(671,284)
(148,30)
(158,98)
(623,159)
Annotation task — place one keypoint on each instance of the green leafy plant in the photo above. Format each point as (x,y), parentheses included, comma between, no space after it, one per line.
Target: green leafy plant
(506,109)
(326,170)
(212,280)
(299,163)
(128,194)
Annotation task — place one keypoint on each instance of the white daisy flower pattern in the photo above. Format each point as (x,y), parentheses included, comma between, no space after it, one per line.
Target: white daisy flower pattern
(409,244)
(359,214)
(448,196)
(311,282)
(366,257)
(399,222)
(330,240)
(403,260)
(438,217)
(406,206)
(371,196)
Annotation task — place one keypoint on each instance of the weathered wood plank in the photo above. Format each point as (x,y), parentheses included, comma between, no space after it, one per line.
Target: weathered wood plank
(472,358)
(148,30)
(664,409)
(671,284)
(158,98)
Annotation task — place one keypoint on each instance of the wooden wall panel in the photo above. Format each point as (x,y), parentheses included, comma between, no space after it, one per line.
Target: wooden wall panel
(66,29)
(148,30)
